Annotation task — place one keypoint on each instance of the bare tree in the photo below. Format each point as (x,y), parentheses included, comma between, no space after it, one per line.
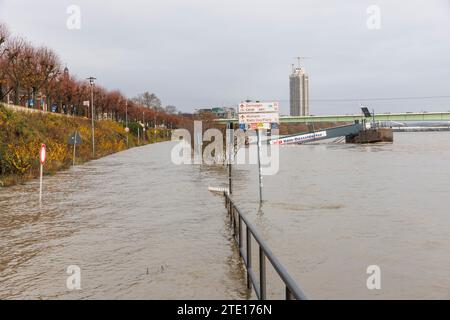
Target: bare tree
(18,64)
(148,100)
(27,71)
(4,35)
(171,109)
(45,68)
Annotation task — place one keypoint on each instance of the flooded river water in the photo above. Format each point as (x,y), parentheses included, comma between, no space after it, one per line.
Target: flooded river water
(140,227)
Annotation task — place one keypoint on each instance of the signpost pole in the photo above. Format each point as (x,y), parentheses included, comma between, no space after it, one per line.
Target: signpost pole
(40,184)
(230,151)
(42,157)
(258,133)
(259,115)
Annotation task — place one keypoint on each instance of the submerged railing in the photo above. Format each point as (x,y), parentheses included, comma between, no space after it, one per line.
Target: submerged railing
(238,221)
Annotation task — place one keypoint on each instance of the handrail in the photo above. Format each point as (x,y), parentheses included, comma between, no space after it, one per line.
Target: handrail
(293,291)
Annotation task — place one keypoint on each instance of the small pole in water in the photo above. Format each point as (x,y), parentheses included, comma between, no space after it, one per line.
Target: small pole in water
(42,157)
(259,164)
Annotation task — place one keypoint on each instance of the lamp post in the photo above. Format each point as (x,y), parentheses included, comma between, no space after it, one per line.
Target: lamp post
(143,125)
(91,82)
(154,123)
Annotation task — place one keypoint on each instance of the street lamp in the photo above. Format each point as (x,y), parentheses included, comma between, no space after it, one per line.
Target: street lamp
(143,125)
(154,123)
(91,82)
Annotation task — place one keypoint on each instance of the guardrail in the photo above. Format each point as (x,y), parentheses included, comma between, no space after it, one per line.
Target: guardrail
(31,110)
(237,222)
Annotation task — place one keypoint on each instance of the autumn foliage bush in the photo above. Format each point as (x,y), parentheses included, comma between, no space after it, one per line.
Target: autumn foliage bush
(21,135)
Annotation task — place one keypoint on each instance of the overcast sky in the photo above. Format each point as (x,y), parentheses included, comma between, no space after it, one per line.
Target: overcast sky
(204,53)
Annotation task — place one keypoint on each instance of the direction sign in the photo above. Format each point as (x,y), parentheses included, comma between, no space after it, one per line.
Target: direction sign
(75,138)
(259,118)
(42,154)
(255,107)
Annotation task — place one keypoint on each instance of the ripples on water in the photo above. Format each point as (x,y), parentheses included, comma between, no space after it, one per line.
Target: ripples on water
(140,227)
(333,210)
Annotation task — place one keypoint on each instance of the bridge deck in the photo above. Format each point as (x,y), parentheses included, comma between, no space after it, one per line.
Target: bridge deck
(408,116)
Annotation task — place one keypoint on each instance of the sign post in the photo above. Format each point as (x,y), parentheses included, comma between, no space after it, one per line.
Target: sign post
(127,130)
(74,139)
(257,116)
(258,134)
(42,158)
(230,149)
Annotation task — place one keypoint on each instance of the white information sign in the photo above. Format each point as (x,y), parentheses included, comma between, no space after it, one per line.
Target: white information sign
(300,138)
(257,107)
(249,118)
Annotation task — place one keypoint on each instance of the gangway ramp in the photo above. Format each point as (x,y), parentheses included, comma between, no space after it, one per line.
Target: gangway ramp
(317,135)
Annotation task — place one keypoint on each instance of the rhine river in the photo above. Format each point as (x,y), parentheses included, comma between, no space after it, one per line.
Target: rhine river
(140,227)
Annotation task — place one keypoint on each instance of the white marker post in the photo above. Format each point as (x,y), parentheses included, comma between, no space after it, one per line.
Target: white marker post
(42,158)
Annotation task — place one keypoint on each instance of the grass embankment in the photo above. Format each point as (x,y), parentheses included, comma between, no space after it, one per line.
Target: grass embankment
(21,135)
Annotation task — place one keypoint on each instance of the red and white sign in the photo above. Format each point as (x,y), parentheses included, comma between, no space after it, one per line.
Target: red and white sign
(257,107)
(255,126)
(42,154)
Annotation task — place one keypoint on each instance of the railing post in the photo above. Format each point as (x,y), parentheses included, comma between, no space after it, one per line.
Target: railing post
(292,291)
(262,274)
(240,234)
(289,294)
(249,257)
(233,219)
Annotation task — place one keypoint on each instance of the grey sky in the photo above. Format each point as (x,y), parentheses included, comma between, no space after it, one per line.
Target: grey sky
(208,53)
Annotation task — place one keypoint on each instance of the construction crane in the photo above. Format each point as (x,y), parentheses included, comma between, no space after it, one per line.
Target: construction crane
(301,58)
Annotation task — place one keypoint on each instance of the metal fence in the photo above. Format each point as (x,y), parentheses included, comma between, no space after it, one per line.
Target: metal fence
(238,222)
(30,110)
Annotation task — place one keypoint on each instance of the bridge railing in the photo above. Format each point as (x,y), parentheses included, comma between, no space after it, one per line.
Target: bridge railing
(238,222)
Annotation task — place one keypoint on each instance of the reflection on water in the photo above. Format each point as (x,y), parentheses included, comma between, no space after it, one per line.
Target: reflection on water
(140,227)
(333,210)
(136,225)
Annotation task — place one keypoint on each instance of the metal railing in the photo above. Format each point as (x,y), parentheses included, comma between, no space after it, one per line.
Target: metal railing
(238,221)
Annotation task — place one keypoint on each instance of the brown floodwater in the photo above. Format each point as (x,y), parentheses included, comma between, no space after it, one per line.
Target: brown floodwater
(140,227)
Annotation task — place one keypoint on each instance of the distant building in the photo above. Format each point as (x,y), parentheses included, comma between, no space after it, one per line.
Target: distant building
(299,92)
(219,112)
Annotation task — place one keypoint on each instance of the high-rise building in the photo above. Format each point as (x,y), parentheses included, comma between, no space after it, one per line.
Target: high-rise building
(299,92)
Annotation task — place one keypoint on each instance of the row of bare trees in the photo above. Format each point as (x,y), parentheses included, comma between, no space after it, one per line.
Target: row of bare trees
(33,77)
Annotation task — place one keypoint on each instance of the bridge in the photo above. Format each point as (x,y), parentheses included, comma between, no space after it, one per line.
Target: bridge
(398,117)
